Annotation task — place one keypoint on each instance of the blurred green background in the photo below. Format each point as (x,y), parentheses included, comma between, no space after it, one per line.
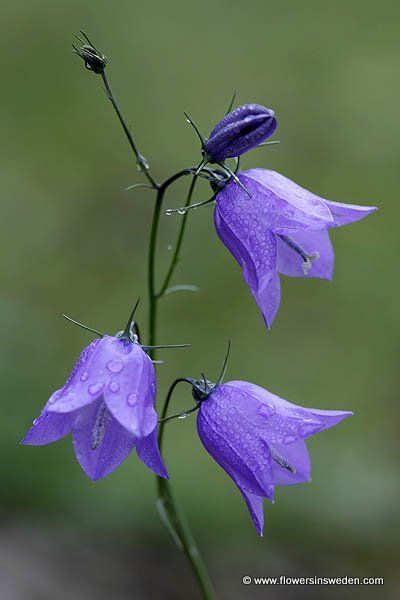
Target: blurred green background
(73,241)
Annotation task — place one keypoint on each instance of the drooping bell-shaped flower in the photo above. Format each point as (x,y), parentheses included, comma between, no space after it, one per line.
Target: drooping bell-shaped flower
(277,228)
(258,439)
(239,131)
(107,404)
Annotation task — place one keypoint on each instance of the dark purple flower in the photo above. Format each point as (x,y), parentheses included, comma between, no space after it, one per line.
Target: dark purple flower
(107,404)
(239,131)
(258,439)
(281,228)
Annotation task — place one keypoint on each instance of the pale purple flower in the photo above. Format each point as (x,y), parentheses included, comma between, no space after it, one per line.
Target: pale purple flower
(239,131)
(258,439)
(107,404)
(280,229)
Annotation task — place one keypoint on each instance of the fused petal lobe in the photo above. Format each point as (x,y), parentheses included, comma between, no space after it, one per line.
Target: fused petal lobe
(101,444)
(49,427)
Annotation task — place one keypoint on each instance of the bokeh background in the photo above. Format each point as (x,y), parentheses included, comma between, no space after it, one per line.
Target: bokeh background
(72,240)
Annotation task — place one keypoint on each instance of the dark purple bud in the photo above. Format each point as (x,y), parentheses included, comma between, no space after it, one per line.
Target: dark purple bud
(94,61)
(241,130)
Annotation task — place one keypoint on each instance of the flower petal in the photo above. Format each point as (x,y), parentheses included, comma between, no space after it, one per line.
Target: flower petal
(256,254)
(101,444)
(297,455)
(83,385)
(149,453)
(232,444)
(131,396)
(289,262)
(255,506)
(277,420)
(283,203)
(48,428)
(347,213)
(327,419)
(269,299)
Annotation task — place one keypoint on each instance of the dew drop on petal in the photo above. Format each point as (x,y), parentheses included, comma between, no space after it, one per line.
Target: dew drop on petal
(115,365)
(308,427)
(289,439)
(266,410)
(95,388)
(84,376)
(131,399)
(114,387)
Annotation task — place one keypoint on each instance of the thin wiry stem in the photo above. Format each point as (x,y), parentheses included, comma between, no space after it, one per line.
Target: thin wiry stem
(175,257)
(176,518)
(141,161)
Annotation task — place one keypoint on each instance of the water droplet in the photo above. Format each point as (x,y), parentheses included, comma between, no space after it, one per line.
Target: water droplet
(289,439)
(115,365)
(95,388)
(183,416)
(84,376)
(266,410)
(131,399)
(308,427)
(168,213)
(181,211)
(35,421)
(114,387)
(169,247)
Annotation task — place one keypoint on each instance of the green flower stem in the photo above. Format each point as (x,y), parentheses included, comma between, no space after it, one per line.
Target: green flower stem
(140,159)
(165,497)
(177,519)
(175,257)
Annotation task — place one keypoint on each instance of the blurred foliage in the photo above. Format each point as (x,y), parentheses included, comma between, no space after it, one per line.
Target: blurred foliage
(73,241)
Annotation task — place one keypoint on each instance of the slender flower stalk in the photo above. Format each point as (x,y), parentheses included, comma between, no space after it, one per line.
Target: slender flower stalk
(167,504)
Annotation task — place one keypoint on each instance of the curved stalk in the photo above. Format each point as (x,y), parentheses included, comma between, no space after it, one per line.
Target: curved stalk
(176,517)
(175,257)
(165,496)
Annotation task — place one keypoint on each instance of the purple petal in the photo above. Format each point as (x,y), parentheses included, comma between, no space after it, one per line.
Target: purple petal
(232,443)
(269,299)
(130,394)
(297,455)
(289,262)
(83,385)
(277,420)
(327,419)
(101,444)
(347,213)
(255,506)
(287,204)
(256,254)
(48,428)
(149,453)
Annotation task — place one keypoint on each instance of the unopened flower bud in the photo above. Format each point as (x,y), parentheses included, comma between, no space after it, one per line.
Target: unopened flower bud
(94,60)
(239,131)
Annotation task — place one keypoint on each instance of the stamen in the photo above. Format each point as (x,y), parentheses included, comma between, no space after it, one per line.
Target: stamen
(282,462)
(307,258)
(99,428)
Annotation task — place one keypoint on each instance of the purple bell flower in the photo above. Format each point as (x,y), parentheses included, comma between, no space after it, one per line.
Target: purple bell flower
(239,131)
(280,229)
(107,403)
(258,439)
